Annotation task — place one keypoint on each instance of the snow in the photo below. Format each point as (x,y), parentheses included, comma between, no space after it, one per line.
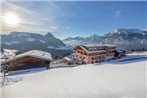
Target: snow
(23,34)
(35,53)
(120,49)
(63,48)
(8,53)
(122,30)
(67,58)
(11,43)
(10,50)
(121,80)
(71,42)
(144,33)
(52,47)
(95,45)
(1,55)
(30,39)
(59,48)
(91,51)
(42,41)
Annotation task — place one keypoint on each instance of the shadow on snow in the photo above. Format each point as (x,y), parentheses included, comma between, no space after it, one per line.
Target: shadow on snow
(26,71)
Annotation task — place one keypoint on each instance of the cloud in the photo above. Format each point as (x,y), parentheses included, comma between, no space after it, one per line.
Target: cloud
(9,7)
(46,19)
(30,19)
(53,27)
(65,12)
(118,13)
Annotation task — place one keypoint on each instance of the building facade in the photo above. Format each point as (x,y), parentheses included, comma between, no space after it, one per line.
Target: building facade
(94,53)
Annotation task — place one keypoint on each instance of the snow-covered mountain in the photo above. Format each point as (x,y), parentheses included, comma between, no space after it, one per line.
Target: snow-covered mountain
(71,41)
(25,41)
(127,38)
(25,37)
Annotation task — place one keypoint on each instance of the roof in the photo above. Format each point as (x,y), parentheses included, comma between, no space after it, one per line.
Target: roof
(67,58)
(119,49)
(34,53)
(88,51)
(96,45)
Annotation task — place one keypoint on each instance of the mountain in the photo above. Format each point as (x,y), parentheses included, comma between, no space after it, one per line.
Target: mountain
(127,38)
(71,41)
(25,41)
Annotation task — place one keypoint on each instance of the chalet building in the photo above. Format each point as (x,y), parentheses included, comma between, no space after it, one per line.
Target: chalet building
(94,53)
(27,60)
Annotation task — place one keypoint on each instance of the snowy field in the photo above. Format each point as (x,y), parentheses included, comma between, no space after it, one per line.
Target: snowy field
(125,77)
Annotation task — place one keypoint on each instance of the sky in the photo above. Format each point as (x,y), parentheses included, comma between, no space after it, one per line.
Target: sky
(74,18)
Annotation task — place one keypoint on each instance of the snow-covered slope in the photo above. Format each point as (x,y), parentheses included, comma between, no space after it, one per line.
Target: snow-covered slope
(115,80)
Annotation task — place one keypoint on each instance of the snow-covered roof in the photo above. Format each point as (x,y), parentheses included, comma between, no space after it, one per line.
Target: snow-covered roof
(119,49)
(86,47)
(94,51)
(97,45)
(67,58)
(34,53)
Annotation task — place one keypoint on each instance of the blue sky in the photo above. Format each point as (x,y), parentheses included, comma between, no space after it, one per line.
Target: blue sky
(76,18)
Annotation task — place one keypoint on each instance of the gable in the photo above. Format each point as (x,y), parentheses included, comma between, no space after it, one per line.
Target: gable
(78,47)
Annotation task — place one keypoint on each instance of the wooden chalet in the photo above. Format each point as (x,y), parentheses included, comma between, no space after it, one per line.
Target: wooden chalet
(27,60)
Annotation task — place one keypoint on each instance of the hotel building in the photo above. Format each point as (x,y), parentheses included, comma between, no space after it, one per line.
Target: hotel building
(94,53)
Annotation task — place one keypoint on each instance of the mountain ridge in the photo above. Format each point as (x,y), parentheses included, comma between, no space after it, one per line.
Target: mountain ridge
(26,41)
(127,38)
